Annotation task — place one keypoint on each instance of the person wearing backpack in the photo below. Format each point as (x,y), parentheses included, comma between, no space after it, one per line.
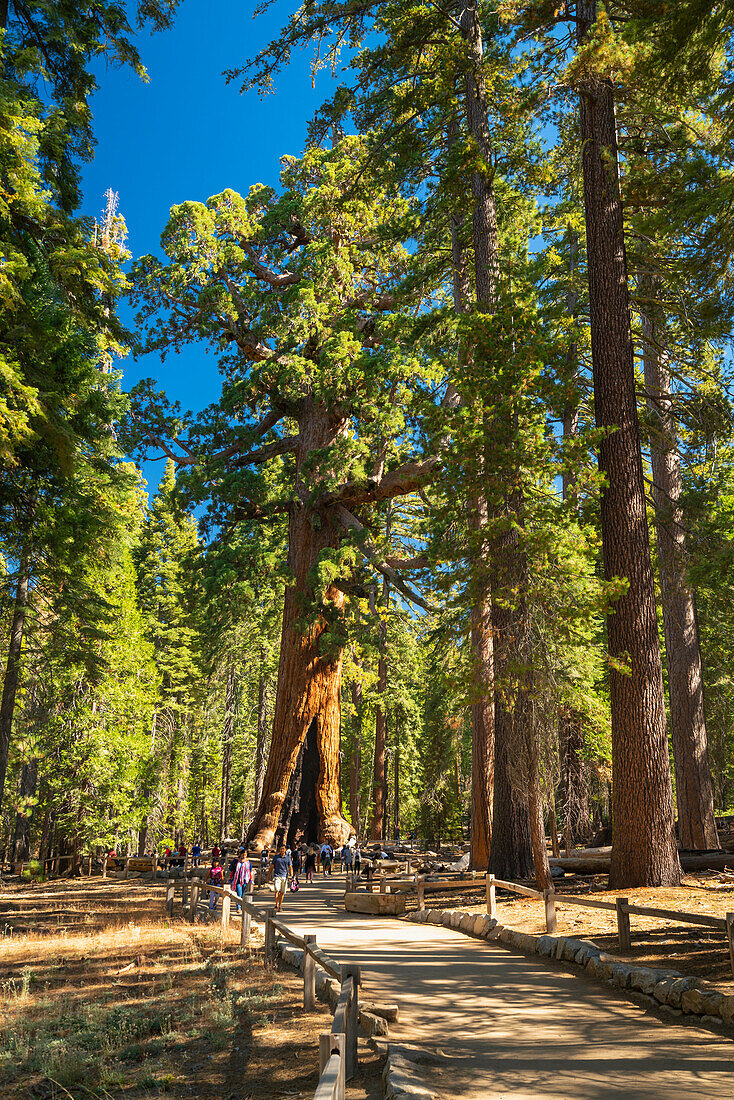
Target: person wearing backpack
(214,878)
(242,876)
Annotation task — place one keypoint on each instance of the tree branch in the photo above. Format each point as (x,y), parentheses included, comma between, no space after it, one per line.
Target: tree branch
(350,523)
(406,479)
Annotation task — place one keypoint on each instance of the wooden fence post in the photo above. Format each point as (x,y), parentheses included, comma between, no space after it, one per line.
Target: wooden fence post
(421,884)
(194,907)
(351,1018)
(170,891)
(184,894)
(245,930)
(623,924)
(491,897)
(226,903)
(551,923)
(730,938)
(328,1044)
(269,932)
(309,976)
(383,886)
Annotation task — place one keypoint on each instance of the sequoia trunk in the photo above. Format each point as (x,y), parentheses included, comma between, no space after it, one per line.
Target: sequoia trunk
(644,851)
(310,666)
(262,732)
(693,788)
(355,762)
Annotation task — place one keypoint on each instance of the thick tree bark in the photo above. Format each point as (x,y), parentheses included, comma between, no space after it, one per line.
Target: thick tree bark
(309,680)
(537,828)
(574,786)
(22,834)
(355,762)
(693,788)
(227,746)
(12,669)
(511,856)
(644,852)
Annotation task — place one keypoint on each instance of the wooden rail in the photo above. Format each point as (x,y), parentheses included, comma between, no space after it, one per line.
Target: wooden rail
(338,1047)
(621,906)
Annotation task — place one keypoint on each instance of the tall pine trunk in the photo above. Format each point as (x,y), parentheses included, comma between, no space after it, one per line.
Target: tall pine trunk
(12,668)
(644,851)
(22,833)
(379,784)
(355,761)
(693,787)
(227,746)
(309,680)
(262,731)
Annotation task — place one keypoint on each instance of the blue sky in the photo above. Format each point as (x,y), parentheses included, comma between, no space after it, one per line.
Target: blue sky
(187,134)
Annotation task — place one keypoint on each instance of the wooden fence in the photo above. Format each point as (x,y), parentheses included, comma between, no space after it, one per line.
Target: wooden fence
(337,1047)
(620,906)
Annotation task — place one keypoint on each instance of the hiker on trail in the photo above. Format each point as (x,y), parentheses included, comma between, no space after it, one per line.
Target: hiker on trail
(357,855)
(327,854)
(232,866)
(195,853)
(297,861)
(309,864)
(264,856)
(216,852)
(242,876)
(182,853)
(214,878)
(280,871)
(348,858)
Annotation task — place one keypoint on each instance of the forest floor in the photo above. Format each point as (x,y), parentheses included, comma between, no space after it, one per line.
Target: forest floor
(101,996)
(655,940)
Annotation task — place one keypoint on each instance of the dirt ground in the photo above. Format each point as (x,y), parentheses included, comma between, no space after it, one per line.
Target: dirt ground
(655,941)
(101,996)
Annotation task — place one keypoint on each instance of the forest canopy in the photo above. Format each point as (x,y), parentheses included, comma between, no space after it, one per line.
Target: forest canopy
(450,554)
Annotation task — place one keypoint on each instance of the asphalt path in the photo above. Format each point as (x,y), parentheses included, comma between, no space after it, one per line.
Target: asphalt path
(484,1021)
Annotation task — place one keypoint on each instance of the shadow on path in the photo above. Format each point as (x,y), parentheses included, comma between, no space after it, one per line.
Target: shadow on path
(488,1022)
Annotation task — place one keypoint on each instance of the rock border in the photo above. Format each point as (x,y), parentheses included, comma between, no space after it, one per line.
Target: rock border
(647,986)
(401,1076)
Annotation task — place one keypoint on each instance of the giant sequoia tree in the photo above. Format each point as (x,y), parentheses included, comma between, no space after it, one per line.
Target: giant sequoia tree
(293,292)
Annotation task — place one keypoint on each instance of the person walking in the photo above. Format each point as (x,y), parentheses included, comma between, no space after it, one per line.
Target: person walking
(280,871)
(264,856)
(195,853)
(327,854)
(242,876)
(348,858)
(357,855)
(297,861)
(309,864)
(214,878)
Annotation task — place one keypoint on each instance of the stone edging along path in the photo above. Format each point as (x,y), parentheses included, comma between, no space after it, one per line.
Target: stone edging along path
(401,1077)
(654,987)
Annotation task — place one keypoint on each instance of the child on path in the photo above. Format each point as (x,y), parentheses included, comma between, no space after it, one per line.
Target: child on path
(280,870)
(214,878)
(309,865)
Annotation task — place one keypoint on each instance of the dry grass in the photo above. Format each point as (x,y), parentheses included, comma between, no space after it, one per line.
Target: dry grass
(655,940)
(146,1008)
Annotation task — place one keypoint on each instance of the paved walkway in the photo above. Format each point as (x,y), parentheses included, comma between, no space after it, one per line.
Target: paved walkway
(488,1022)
